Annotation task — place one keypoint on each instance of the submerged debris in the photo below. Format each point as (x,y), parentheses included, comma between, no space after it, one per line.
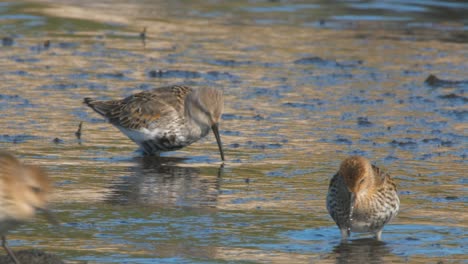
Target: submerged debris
(57,140)
(7,41)
(315,60)
(174,74)
(78,132)
(432,80)
(363,121)
(143,36)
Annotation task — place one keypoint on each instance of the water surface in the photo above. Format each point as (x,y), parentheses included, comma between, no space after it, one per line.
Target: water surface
(306,85)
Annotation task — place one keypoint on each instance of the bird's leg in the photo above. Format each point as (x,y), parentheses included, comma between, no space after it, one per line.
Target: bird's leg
(9,251)
(344,234)
(378,235)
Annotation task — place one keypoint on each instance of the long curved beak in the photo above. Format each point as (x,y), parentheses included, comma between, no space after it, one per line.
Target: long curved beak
(218,140)
(352,199)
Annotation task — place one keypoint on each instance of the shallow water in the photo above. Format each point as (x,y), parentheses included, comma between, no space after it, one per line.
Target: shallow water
(306,85)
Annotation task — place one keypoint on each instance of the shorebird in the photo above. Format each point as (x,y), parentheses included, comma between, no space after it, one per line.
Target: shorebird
(24,190)
(166,118)
(361,198)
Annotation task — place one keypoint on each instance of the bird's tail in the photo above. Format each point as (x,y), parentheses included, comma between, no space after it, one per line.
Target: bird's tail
(101,107)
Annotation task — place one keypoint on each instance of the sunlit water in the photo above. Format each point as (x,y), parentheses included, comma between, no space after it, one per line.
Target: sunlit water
(306,85)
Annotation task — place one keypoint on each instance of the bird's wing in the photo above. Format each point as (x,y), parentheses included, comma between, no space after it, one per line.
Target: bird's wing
(381,175)
(144,108)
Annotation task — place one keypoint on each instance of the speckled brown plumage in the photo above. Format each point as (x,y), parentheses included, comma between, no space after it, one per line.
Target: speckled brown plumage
(361,197)
(165,118)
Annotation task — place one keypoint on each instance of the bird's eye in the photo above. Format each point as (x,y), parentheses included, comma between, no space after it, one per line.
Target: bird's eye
(362,181)
(36,190)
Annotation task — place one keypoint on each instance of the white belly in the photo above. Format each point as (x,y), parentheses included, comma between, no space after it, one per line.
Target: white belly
(144,134)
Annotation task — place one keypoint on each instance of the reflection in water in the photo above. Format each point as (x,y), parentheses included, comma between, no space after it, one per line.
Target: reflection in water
(365,250)
(165,181)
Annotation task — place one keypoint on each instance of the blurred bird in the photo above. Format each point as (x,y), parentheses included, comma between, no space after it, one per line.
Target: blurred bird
(361,198)
(24,190)
(166,118)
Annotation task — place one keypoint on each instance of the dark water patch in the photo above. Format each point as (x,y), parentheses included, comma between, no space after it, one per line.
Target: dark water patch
(234,145)
(87,116)
(406,143)
(438,142)
(316,61)
(324,235)
(428,240)
(433,80)
(20,73)
(95,86)
(390,158)
(328,79)
(431,140)
(290,174)
(370,18)
(117,75)
(68,45)
(255,145)
(7,41)
(278,7)
(259,117)
(364,122)
(210,76)
(228,116)
(342,140)
(24,60)
(445,199)
(417,99)
(228,63)
(231,133)
(411,73)
(276,173)
(374,134)
(8,101)
(261,157)
(366,141)
(350,63)
(59,86)
(255,92)
(358,152)
(362,100)
(15,97)
(58,141)
(17,139)
(40,47)
(92,54)
(427,122)
(216,75)
(426,156)
(304,106)
(174,74)
(248,200)
(453,96)
(459,115)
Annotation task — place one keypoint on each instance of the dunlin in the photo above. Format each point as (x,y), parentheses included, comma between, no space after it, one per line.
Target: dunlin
(166,118)
(361,198)
(24,190)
